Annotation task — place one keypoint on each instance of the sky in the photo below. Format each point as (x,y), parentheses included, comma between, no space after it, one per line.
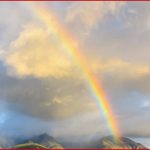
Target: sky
(42,88)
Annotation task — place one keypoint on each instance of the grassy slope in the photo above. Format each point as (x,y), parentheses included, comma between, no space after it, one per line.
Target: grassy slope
(29,145)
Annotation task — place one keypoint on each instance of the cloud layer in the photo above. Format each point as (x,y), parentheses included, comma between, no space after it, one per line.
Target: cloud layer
(90,15)
(41,83)
(37,53)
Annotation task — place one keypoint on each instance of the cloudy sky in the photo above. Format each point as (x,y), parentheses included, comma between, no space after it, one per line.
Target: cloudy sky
(42,88)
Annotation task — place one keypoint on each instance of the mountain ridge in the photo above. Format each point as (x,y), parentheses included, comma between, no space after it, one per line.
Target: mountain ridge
(47,141)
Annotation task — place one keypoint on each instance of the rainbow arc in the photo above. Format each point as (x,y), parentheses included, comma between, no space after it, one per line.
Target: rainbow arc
(53,25)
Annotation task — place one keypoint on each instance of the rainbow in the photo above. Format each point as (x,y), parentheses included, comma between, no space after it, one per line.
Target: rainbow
(53,25)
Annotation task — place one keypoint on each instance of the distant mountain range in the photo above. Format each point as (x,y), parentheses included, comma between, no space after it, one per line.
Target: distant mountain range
(46,141)
(125,143)
(41,141)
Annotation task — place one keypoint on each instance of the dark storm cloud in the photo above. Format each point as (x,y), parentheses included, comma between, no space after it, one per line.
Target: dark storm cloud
(47,98)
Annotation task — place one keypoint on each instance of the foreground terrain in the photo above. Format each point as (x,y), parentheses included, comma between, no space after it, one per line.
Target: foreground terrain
(46,141)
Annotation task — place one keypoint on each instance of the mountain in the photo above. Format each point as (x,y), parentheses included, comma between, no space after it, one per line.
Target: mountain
(123,142)
(104,142)
(41,141)
(46,141)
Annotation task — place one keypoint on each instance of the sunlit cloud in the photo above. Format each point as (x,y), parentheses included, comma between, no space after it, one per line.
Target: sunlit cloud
(36,52)
(121,68)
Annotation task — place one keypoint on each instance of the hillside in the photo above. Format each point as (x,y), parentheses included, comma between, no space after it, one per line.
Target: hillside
(123,142)
(46,141)
(41,141)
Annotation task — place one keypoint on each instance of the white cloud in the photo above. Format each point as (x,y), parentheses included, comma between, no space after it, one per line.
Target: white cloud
(86,16)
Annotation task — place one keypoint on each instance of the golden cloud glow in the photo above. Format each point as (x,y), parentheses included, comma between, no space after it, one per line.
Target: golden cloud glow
(38,53)
(121,68)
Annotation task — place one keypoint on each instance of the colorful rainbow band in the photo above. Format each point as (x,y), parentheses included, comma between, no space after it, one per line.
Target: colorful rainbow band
(52,23)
